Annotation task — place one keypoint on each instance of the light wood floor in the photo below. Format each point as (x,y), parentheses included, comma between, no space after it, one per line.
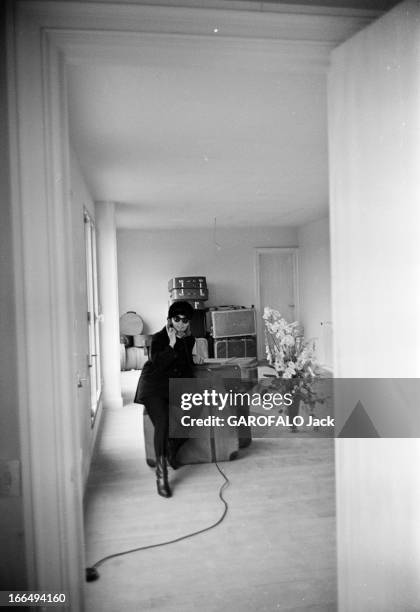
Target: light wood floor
(275,549)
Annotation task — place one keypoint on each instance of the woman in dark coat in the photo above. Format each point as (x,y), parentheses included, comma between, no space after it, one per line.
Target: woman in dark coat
(171,356)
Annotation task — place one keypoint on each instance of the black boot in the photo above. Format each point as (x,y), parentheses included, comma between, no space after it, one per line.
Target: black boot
(162,477)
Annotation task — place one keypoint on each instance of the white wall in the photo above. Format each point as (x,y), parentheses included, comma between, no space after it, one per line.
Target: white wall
(375,195)
(374,122)
(148,259)
(80,198)
(315,286)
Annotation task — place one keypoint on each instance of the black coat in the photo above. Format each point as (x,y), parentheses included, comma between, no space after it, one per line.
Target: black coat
(165,362)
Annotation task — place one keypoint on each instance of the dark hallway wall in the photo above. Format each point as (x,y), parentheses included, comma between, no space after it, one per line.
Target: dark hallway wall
(13,573)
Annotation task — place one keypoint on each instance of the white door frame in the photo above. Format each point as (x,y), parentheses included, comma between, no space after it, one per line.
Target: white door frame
(295,253)
(49,425)
(43,37)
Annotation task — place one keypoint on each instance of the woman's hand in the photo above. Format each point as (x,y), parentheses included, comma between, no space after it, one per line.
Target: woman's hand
(197,359)
(171,335)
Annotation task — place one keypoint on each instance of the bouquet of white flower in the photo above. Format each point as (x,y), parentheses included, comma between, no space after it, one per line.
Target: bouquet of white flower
(289,355)
(286,350)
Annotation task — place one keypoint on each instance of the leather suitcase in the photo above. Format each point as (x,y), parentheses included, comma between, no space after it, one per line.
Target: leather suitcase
(136,357)
(235,322)
(187,282)
(216,443)
(142,340)
(237,374)
(131,323)
(225,348)
(247,365)
(191,293)
(249,378)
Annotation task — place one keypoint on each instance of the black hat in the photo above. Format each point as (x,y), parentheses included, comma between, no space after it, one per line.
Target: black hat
(181,308)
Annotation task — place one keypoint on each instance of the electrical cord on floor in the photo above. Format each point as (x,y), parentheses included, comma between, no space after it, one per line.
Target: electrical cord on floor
(92,571)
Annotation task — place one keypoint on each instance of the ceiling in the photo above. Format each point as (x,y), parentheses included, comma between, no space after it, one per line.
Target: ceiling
(180,131)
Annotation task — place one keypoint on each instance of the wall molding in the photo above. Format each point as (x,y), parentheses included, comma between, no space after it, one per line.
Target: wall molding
(237,53)
(333,27)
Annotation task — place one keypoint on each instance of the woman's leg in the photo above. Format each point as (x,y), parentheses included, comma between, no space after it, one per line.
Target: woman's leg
(158,411)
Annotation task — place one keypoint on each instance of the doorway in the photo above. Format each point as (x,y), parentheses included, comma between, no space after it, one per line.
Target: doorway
(276,286)
(50,438)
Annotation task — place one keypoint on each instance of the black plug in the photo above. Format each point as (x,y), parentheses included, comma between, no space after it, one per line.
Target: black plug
(92,574)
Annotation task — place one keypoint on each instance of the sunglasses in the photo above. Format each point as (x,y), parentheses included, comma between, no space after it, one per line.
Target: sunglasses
(178,318)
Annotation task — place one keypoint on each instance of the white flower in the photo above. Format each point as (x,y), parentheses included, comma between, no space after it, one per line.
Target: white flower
(285,348)
(267,313)
(288,340)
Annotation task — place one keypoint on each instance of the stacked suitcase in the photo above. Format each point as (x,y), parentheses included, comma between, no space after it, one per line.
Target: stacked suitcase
(191,289)
(234,332)
(134,345)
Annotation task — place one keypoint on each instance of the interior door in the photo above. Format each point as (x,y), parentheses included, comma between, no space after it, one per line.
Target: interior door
(276,271)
